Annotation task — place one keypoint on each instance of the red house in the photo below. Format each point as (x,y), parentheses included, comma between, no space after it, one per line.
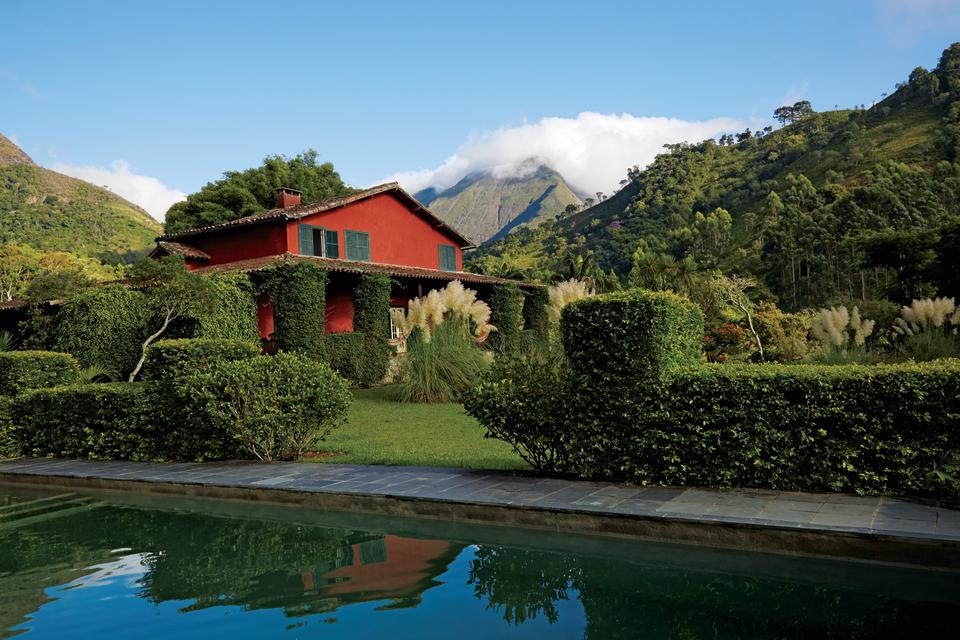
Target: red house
(382,229)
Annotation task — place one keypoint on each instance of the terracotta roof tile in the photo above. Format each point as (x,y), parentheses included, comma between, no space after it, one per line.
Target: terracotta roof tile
(349,266)
(308,209)
(184,250)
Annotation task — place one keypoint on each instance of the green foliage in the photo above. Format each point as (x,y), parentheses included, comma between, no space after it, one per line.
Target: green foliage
(104,326)
(299,294)
(361,358)
(233,314)
(522,401)
(635,334)
(189,432)
(506,314)
(8,341)
(9,447)
(784,335)
(535,316)
(931,344)
(241,193)
(273,406)
(98,421)
(171,361)
(371,305)
(637,406)
(24,370)
(441,369)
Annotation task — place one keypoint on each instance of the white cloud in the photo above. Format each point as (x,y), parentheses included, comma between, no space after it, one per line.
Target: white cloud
(146,191)
(592,151)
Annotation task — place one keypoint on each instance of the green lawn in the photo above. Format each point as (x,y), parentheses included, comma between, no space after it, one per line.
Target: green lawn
(381,431)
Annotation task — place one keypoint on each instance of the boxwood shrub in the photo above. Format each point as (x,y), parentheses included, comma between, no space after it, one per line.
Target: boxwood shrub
(361,358)
(371,305)
(272,406)
(23,370)
(640,406)
(172,360)
(116,420)
(535,317)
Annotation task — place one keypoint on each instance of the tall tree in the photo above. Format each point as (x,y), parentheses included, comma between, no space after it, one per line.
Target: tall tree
(241,193)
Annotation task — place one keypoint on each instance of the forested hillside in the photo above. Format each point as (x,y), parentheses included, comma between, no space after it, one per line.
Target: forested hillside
(833,206)
(48,210)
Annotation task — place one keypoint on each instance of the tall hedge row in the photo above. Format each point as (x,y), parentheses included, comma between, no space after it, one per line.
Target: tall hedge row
(371,305)
(535,317)
(640,405)
(24,370)
(506,314)
(299,294)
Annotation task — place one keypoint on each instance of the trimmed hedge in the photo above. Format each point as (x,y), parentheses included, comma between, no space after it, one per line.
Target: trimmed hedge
(189,433)
(619,337)
(299,294)
(506,314)
(862,429)
(272,406)
(371,305)
(99,421)
(171,360)
(361,358)
(639,405)
(234,316)
(24,370)
(104,326)
(536,320)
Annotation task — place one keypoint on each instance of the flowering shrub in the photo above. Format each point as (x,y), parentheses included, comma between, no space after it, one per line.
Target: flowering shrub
(727,340)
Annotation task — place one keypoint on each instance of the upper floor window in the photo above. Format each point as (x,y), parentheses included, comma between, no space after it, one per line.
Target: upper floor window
(448,257)
(317,241)
(358,245)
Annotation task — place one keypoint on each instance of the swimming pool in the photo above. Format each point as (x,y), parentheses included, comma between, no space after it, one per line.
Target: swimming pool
(99,565)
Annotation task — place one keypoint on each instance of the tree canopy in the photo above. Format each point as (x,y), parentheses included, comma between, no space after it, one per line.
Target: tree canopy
(241,193)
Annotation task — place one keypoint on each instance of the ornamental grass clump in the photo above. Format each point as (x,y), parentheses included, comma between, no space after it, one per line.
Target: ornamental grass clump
(562,294)
(927,329)
(842,335)
(442,331)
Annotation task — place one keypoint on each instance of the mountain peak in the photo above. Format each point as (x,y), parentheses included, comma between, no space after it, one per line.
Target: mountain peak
(11,153)
(488,204)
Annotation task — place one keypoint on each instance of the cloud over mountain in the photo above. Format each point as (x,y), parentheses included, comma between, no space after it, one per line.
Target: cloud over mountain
(148,192)
(591,151)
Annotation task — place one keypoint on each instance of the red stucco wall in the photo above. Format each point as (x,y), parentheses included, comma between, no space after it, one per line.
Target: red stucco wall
(397,235)
(242,243)
(339,315)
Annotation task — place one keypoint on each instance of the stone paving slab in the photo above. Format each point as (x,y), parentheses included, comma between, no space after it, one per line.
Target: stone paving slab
(826,513)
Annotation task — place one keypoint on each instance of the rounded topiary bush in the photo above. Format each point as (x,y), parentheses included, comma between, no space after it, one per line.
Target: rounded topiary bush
(176,359)
(273,406)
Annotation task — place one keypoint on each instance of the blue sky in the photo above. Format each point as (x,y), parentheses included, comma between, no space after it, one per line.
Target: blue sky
(178,92)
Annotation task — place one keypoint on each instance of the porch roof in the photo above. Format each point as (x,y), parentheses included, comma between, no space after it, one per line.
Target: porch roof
(350,266)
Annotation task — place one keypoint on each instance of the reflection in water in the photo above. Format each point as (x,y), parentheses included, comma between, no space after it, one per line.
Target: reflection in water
(73,566)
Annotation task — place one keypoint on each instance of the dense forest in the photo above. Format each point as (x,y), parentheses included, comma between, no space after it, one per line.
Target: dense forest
(836,206)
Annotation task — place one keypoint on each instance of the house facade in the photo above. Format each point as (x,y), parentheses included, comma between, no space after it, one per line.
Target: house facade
(378,230)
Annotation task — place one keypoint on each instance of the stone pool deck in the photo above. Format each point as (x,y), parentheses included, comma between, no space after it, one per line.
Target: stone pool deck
(873,528)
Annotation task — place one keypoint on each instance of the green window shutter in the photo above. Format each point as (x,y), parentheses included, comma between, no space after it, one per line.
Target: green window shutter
(305,234)
(332,244)
(448,257)
(358,245)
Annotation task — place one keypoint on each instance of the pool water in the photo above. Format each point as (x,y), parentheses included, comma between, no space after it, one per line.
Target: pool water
(85,565)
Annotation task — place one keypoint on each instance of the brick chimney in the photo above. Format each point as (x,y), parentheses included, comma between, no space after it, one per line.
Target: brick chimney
(285,197)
